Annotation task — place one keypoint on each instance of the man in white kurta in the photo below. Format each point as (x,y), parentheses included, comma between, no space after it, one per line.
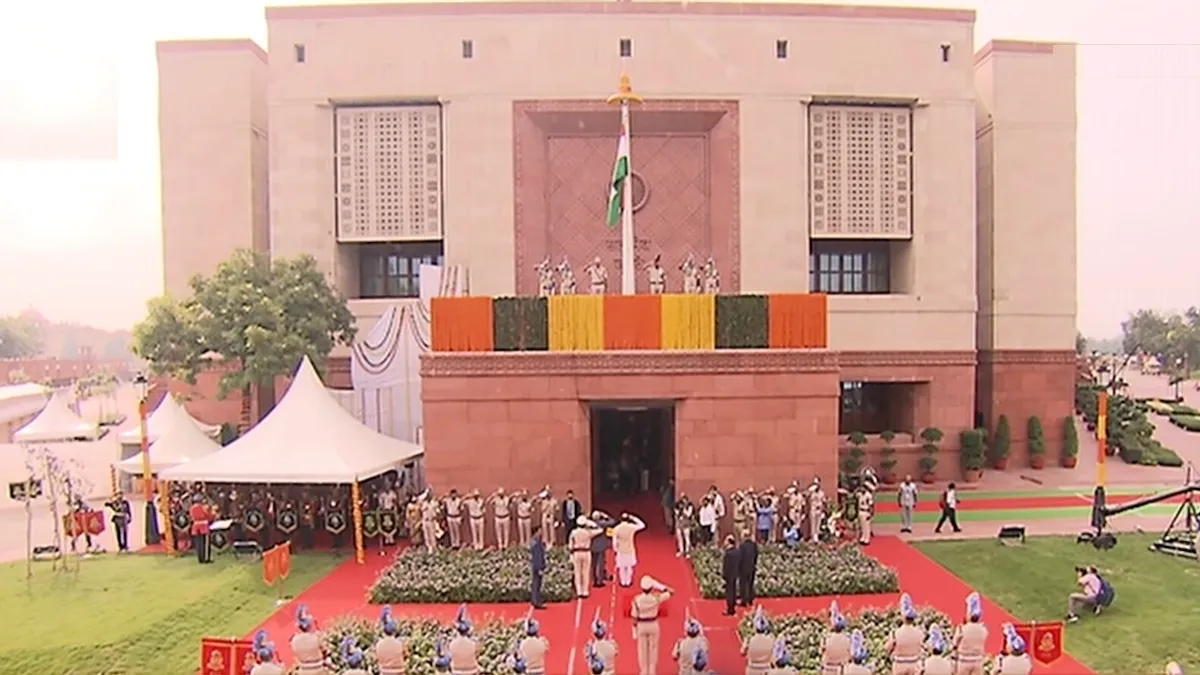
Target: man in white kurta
(626,552)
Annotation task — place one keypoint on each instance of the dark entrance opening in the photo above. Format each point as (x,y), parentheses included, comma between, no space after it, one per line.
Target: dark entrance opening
(633,449)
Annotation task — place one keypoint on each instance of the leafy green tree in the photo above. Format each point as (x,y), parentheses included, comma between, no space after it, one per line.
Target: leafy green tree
(257,314)
(19,339)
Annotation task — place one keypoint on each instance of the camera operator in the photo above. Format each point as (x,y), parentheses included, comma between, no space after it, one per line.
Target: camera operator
(1088,596)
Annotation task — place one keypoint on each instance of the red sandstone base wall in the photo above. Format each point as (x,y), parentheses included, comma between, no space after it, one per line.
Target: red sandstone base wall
(1021,384)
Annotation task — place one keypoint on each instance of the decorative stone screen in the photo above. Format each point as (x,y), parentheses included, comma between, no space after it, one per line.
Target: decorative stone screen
(860,172)
(389,173)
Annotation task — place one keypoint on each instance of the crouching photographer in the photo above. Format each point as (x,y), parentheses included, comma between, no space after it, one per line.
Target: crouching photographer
(1094,593)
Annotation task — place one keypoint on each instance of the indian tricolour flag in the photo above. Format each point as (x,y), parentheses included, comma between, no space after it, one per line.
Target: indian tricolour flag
(620,173)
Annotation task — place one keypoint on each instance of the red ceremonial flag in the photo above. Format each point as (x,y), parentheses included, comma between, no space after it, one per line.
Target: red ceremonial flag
(93,522)
(216,657)
(285,560)
(244,658)
(270,571)
(1044,642)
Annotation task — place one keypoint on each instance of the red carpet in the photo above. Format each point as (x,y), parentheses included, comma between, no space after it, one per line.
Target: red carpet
(568,625)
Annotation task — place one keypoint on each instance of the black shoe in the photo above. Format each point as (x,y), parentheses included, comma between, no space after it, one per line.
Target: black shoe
(539,607)
(937,531)
(728,613)
(957,530)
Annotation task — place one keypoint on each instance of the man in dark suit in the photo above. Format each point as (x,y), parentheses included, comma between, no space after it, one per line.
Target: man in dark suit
(731,571)
(600,546)
(571,510)
(748,568)
(537,567)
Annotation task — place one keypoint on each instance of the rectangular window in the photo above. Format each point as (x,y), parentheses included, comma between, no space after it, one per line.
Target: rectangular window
(300,53)
(781,49)
(849,267)
(394,270)
(873,407)
(626,48)
(468,49)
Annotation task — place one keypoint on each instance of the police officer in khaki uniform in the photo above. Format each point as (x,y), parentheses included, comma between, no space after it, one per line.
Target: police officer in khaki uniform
(760,647)
(579,543)
(463,650)
(937,663)
(391,653)
(816,510)
(858,655)
(907,643)
(795,505)
(306,645)
(602,648)
(685,647)
(533,648)
(548,508)
(1013,660)
(524,518)
(780,659)
(970,640)
(835,648)
(741,513)
(454,520)
(353,657)
(430,509)
(475,518)
(264,651)
(866,511)
(700,662)
(646,631)
(502,517)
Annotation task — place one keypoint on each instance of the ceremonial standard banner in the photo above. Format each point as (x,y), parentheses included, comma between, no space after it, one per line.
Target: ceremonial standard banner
(284,566)
(83,522)
(220,656)
(1044,640)
(270,566)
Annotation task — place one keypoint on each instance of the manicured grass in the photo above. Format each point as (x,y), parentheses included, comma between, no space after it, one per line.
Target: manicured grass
(966,515)
(1153,620)
(134,615)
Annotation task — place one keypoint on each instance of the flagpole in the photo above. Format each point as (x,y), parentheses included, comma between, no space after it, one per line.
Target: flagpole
(624,97)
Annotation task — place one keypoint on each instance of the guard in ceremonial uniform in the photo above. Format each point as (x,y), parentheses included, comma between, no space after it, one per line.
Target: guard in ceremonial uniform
(264,651)
(760,647)
(866,511)
(907,643)
(201,519)
(391,652)
(306,645)
(353,657)
(1013,660)
(602,646)
(463,650)
(524,518)
(970,640)
(700,662)
(594,663)
(780,659)
(502,513)
(579,542)
(533,649)
(646,631)
(835,648)
(548,508)
(453,504)
(429,524)
(685,648)
(121,514)
(858,655)
(441,656)
(937,663)
(308,522)
(475,518)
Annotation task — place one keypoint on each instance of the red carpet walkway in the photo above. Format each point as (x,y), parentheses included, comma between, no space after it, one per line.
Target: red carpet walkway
(567,625)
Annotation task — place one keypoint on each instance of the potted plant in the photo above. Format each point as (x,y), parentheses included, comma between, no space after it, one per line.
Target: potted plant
(972,455)
(929,461)
(1035,441)
(887,461)
(854,457)
(1001,444)
(1070,456)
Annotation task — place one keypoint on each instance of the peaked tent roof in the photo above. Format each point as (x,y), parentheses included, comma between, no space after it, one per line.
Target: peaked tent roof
(307,438)
(22,400)
(180,444)
(163,420)
(57,422)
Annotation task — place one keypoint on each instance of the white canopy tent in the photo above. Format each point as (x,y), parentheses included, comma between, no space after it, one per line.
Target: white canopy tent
(180,444)
(162,420)
(57,422)
(307,438)
(22,400)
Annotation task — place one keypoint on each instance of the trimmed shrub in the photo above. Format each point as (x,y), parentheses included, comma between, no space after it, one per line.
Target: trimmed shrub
(1184,410)
(1186,422)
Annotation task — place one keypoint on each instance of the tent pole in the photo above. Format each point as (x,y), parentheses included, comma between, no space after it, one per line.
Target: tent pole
(164,508)
(360,556)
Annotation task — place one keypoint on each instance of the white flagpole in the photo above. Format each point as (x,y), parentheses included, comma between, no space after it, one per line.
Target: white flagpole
(628,271)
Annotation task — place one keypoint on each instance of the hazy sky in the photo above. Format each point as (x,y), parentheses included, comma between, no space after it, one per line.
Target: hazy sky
(79,203)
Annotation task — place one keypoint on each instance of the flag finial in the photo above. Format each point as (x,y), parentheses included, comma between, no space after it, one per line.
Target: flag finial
(625,92)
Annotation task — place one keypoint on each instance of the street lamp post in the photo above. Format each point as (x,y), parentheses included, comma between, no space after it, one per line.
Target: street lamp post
(153,536)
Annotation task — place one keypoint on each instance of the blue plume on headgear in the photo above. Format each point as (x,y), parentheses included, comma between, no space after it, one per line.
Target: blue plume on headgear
(441,660)
(304,620)
(461,622)
(780,653)
(974,607)
(531,626)
(907,611)
(761,625)
(387,623)
(264,650)
(351,654)
(691,627)
(937,640)
(599,630)
(858,646)
(835,617)
(1016,644)
(594,660)
(700,660)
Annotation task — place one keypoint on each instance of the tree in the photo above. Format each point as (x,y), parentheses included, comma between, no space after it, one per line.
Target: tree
(256,314)
(19,339)
(1081,343)
(1174,339)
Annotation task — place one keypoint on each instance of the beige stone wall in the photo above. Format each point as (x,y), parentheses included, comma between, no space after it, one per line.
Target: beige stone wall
(212,117)
(371,54)
(1026,209)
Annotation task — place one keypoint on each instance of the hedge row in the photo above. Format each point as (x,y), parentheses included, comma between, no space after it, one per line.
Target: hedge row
(1130,433)
(1186,422)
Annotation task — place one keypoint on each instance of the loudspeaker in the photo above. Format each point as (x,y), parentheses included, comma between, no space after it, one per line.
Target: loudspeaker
(1012,534)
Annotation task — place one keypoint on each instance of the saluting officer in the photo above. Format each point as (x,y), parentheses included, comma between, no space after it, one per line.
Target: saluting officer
(858,655)
(548,508)
(391,652)
(937,663)
(524,518)
(970,640)
(1013,660)
(906,643)
(685,648)
(453,505)
(264,652)
(835,648)
(579,542)
(353,657)
(603,647)
(760,647)
(463,650)
(646,631)
(475,516)
(533,649)
(780,659)
(306,645)
(501,505)
(866,509)
(429,524)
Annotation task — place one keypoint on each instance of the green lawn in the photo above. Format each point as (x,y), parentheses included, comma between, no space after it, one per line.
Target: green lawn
(1153,620)
(133,615)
